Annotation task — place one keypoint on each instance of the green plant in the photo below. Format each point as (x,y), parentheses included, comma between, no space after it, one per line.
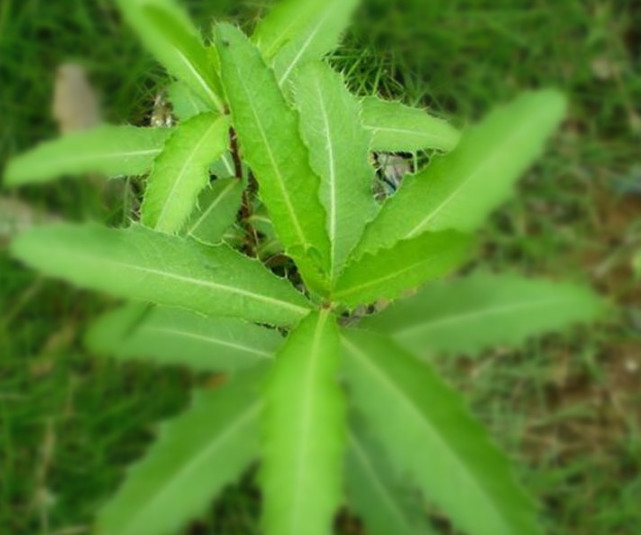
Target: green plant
(291,149)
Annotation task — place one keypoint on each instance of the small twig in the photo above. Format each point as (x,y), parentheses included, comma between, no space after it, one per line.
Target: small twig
(235,154)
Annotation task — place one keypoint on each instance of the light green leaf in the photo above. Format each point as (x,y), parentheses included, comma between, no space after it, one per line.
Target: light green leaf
(458,190)
(304,432)
(196,455)
(218,205)
(167,32)
(182,170)
(339,153)
(268,131)
(145,265)
(174,336)
(283,23)
(399,128)
(315,38)
(109,150)
(432,440)
(465,316)
(184,102)
(410,263)
(376,493)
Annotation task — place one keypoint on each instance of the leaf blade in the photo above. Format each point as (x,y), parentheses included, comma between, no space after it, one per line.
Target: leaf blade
(303,441)
(168,33)
(399,128)
(141,264)
(481,311)
(197,454)
(458,190)
(178,337)
(181,171)
(109,150)
(269,136)
(430,436)
(409,263)
(339,154)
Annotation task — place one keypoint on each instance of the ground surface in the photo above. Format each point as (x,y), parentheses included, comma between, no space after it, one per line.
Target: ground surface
(567,407)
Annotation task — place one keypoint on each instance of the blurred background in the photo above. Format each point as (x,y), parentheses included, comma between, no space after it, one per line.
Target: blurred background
(567,407)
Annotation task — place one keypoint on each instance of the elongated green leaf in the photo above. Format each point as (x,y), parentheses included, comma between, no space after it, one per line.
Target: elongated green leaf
(196,455)
(175,336)
(460,189)
(216,211)
(430,437)
(109,150)
(399,128)
(408,264)
(142,264)
(167,32)
(268,131)
(304,432)
(376,493)
(315,38)
(283,23)
(339,153)
(475,313)
(184,102)
(182,170)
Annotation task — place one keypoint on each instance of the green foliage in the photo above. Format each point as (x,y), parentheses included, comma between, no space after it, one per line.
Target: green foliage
(399,128)
(491,310)
(149,266)
(460,189)
(195,456)
(292,152)
(303,440)
(113,151)
(182,171)
(175,336)
(429,434)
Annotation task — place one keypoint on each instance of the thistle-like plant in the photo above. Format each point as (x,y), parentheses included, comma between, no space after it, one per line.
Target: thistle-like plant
(259,238)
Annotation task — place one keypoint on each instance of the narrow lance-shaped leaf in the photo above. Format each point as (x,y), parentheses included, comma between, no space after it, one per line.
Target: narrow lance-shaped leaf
(182,170)
(431,439)
(315,39)
(145,265)
(196,455)
(218,205)
(468,315)
(283,23)
(304,432)
(375,491)
(399,128)
(268,131)
(410,263)
(180,337)
(339,153)
(184,102)
(458,190)
(112,151)
(168,33)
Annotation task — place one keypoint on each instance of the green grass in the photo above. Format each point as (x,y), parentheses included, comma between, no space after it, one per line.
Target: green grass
(567,407)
